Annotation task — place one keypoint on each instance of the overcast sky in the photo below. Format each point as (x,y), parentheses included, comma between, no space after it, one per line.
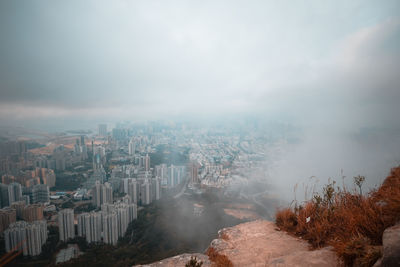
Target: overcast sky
(320,61)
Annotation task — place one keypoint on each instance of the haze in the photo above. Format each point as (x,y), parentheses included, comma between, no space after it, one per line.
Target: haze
(330,68)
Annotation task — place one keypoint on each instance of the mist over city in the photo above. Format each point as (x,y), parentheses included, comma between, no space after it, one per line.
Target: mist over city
(153,132)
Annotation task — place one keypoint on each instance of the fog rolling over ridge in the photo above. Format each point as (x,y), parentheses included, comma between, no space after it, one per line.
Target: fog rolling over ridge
(323,157)
(331,69)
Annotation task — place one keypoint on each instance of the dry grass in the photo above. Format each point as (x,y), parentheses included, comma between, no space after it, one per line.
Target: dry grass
(353,224)
(218,260)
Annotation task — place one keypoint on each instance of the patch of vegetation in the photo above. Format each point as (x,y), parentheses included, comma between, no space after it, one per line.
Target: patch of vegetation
(68,182)
(193,262)
(349,221)
(84,208)
(218,259)
(67,205)
(169,155)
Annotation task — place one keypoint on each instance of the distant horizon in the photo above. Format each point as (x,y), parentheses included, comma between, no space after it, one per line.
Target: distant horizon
(311,63)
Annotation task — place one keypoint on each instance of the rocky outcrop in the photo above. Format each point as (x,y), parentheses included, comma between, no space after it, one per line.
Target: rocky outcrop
(391,246)
(260,243)
(180,261)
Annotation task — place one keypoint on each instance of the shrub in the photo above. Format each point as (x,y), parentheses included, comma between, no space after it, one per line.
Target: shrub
(218,260)
(193,262)
(349,221)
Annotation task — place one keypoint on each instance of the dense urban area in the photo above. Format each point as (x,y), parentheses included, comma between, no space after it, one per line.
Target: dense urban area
(133,194)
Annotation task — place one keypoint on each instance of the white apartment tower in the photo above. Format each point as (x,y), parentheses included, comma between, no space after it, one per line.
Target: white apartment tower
(66,224)
(26,237)
(133,191)
(110,228)
(145,193)
(90,226)
(132,147)
(102,193)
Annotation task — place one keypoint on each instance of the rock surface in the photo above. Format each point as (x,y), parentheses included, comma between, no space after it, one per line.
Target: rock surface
(391,246)
(260,243)
(179,261)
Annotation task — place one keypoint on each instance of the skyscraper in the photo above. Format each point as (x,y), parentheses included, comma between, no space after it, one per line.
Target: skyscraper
(103,129)
(66,224)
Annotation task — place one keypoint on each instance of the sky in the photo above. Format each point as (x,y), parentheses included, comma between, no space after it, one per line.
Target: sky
(316,62)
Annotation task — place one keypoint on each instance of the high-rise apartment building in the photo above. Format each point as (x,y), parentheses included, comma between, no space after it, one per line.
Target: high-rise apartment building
(110,228)
(102,193)
(40,193)
(156,188)
(132,147)
(33,212)
(133,190)
(7,179)
(66,224)
(147,163)
(126,213)
(48,177)
(145,193)
(7,217)
(103,129)
(122,219)
(90,226)
(19,208)
(14,192)
(26,237)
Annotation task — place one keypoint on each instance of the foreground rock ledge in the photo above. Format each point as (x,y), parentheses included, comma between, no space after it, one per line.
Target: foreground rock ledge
(260,243)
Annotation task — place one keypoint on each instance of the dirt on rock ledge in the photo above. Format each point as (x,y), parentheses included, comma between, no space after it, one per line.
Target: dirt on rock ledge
(260,243)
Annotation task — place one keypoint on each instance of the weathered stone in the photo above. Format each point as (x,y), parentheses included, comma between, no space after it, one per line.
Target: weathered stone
(179,261)
(391,246)
(260,243)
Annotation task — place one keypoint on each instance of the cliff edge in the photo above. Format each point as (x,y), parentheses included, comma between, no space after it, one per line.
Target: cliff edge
(257,243)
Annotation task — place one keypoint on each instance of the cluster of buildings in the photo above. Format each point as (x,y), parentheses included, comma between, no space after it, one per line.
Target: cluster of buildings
(23,228)
(26,236)
(15,192)
(20,211)
(106,225)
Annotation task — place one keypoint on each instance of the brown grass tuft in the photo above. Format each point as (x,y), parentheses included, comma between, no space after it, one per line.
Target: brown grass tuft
(218,260)
(352,223)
